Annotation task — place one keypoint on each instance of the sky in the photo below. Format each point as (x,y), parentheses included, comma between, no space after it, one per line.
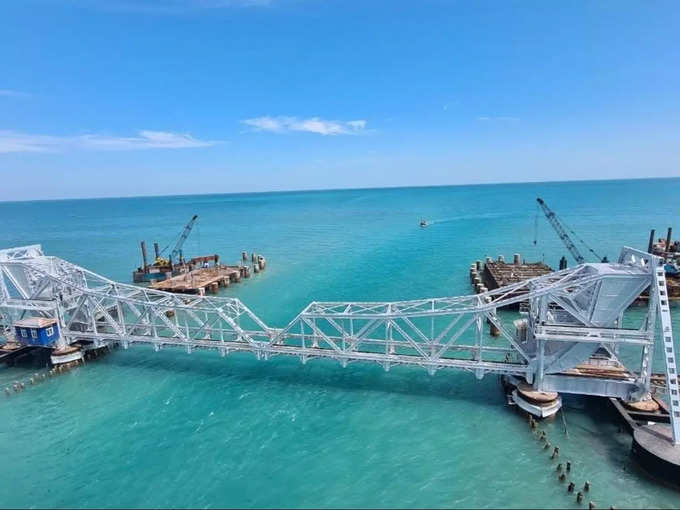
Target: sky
(145,97)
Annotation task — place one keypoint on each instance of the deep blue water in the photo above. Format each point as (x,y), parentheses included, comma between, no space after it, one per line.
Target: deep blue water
(142,429)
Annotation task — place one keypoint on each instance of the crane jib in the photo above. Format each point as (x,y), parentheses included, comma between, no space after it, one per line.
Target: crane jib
(183,237)
(562,232)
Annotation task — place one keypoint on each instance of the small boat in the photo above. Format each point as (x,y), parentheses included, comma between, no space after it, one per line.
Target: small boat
(423,223)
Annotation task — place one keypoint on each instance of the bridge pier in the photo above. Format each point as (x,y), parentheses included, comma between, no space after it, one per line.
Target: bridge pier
(541,404)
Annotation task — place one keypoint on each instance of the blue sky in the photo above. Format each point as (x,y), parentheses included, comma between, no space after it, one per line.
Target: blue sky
(136,97)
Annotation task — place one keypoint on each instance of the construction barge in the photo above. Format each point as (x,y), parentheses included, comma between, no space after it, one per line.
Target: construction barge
(209,279)
(494,274)
(669,250)
(198,275)
(497,273)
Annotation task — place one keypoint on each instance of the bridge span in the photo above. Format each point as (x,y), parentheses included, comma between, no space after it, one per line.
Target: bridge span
(575,319)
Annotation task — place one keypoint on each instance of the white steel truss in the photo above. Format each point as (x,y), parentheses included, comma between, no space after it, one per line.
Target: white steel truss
(573,314)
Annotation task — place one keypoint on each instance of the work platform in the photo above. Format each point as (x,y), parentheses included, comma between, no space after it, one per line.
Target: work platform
(204,280)
(493,274)
(499,273)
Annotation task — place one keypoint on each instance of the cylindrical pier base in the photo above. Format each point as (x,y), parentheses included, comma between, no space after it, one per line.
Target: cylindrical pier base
(66,355)
(541,404)
(654,450)
(646,406)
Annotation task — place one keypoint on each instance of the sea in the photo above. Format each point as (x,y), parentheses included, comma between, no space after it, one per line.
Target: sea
(138,428)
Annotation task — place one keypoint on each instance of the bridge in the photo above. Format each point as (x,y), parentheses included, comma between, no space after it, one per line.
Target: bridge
(569,341)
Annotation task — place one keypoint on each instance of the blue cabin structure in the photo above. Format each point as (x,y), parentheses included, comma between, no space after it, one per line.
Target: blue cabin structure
(38,331)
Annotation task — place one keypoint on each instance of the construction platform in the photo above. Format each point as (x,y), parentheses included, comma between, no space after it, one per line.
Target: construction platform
(163,269)
(204,280)
(673,286)
(494,274)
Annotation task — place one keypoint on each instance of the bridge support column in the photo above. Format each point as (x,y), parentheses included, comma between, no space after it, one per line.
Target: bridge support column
(541,404)
(538,382)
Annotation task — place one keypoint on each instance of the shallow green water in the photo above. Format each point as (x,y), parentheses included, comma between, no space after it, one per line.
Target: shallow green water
(138,428)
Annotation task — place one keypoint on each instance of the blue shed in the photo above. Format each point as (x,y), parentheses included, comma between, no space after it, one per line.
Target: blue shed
(36,331)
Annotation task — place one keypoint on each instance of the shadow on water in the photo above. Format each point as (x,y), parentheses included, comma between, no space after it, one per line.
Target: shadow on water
(322,373)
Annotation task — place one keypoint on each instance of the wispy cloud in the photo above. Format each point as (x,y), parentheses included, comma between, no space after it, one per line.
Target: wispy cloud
(310,125)
(13,93)
(12,141)
(498,119)
(450,104)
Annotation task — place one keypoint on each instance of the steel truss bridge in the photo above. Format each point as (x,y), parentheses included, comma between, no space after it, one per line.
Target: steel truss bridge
(575,318)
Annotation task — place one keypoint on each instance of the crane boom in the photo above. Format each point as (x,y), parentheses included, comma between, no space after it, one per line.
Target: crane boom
(561,231)
(183,237)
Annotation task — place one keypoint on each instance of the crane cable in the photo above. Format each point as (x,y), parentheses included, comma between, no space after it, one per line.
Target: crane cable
(198,237)
(538,210)
(582,241)
(174,240)
(578,238)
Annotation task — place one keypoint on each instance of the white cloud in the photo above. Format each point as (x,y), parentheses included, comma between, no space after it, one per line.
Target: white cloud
(12,141)
(13,93)
(310,125)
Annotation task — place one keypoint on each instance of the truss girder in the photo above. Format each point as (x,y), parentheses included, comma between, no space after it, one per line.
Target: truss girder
(432,333)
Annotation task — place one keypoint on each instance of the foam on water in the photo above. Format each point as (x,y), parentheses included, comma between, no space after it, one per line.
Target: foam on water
(139,428)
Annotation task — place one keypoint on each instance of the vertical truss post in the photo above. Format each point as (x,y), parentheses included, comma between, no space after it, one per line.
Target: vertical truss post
(61,341)
(315,338)
(541,364)
(660,293)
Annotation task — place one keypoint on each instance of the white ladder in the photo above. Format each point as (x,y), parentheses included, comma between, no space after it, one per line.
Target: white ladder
(668,350)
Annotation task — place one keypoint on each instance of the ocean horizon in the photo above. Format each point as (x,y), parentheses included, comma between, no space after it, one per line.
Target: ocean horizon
(318,190)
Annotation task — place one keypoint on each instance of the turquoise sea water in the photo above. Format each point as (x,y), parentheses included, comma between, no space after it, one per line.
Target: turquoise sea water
(144,429)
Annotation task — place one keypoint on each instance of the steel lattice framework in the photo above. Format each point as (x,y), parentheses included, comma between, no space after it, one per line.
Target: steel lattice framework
(573,315)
